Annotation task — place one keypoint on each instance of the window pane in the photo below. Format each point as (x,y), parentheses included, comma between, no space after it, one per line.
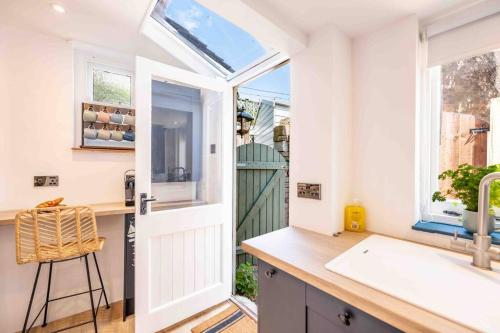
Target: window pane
(111,88)
(223,43)
(185,145)
(470,113)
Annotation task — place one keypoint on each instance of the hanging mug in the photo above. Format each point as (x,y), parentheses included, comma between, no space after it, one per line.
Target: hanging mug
(103,116)
(129,119)
(117,134)
(89,114)
(129,135)
(116,117)
(90,132)
(104,133)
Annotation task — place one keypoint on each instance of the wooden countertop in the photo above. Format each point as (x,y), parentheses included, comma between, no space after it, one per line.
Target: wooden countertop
(303,254)
(104,209)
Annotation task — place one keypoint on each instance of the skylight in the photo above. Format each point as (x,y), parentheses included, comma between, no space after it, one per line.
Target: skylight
(223,44)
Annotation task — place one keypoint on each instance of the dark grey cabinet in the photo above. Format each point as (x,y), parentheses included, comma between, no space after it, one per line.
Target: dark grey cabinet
(286,304)
(327,314)
(281,301)
(129,266)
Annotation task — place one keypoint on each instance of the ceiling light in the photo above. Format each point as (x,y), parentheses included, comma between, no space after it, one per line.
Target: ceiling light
(58,8)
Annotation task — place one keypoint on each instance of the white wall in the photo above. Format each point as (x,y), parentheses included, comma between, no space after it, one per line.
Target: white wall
(384,138)
(321,137)
(364,147)
(40,128)
(37,124)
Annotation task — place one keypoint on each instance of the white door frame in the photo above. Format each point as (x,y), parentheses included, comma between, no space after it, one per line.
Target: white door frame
(151,318)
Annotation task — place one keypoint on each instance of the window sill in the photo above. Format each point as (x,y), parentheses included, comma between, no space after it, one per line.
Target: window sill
(448,229)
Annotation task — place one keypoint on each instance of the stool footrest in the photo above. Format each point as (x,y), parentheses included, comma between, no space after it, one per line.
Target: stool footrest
(77,294)
(59,298)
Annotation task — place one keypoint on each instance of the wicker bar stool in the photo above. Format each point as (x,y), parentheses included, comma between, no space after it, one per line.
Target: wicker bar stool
(53,235)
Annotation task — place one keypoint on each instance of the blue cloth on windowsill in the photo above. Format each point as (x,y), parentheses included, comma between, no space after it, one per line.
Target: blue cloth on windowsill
(449,229)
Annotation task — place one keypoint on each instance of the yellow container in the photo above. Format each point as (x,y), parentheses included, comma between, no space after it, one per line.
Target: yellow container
(354,217)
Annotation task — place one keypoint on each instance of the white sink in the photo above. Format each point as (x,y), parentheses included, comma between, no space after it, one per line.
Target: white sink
(439,281)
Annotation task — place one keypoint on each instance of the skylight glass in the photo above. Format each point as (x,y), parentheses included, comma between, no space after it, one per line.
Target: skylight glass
(222,43)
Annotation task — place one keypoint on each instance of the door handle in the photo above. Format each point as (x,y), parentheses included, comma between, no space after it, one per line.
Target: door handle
(144,203)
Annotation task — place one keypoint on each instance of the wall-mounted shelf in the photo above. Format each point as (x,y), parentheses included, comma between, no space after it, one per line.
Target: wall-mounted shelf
(105,149)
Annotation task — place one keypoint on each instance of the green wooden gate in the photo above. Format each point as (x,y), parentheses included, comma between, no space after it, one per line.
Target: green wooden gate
(261,193)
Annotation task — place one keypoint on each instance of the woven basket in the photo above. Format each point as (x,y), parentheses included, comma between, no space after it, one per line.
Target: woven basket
(45,234)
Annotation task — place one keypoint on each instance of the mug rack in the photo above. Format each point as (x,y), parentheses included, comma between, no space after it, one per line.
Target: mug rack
(107,127)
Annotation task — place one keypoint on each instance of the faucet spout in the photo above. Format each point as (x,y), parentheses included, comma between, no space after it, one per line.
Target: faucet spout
(482,253)
(484,202)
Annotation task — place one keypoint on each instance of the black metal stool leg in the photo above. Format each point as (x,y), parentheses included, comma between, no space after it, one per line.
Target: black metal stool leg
(47,297)
(100,279)
(32,295)
(90,293)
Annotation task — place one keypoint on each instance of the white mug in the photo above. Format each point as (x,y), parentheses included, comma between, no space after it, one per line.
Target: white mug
(104,133)
(90,132)
(89,114)
(129,119)
(117,134)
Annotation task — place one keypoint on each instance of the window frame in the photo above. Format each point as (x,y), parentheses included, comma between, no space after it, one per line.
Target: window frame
(430,145)
(101,66)
(156,15)
(430,134)
(83,56)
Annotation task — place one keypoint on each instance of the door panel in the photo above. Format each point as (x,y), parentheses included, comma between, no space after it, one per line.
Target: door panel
(185,262)
(184,160)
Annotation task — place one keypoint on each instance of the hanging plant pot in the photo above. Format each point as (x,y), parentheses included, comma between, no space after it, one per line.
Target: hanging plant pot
(469,220)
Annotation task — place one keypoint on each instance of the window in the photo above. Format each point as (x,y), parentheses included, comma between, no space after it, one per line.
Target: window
(110,85)
(185,138)
(221,43)
(465,123)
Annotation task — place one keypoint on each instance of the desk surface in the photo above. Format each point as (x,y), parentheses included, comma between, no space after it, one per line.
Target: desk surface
(104,209)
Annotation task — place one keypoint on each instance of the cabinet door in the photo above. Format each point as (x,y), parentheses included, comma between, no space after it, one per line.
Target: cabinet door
(318,324)
(281,301)
(327,314)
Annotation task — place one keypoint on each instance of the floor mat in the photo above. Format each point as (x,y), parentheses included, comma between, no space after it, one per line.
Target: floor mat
(231,320)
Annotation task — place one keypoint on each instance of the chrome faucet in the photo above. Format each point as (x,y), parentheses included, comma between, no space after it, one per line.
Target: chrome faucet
(481,250)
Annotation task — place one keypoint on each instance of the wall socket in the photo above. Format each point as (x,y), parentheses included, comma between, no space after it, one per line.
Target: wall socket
(309,191)
(46,181)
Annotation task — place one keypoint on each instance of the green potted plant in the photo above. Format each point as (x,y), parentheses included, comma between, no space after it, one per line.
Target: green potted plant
(246,283)
(465,186)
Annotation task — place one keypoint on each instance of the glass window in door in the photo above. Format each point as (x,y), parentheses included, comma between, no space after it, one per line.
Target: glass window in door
(185,145)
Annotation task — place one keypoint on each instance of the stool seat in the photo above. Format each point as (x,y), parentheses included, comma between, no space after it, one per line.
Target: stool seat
(72,249)
(55,233)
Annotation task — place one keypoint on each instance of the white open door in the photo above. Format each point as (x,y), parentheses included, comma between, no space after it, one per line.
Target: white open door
(184,147)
